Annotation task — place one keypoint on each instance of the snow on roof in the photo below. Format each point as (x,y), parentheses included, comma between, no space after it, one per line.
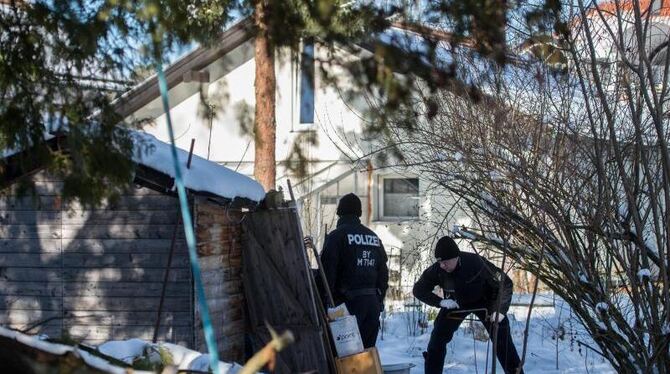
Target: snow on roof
(60,349)
(203,175)
(7,152)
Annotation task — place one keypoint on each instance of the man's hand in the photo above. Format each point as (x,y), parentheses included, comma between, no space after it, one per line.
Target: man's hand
(449,304)
(309,242)
(496,317)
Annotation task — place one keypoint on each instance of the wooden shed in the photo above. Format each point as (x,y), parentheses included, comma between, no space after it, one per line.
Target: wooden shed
(98,274)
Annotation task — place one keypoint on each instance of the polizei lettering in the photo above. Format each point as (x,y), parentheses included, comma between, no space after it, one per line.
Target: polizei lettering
(360,239)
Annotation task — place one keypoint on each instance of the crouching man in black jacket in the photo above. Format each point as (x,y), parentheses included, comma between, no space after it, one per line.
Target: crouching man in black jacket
(354,262)
(468,282)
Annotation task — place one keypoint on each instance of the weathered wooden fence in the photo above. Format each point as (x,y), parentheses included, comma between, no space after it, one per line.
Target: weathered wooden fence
(278,290)
(93,274)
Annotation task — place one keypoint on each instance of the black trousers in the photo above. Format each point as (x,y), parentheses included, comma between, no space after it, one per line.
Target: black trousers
(366,309)
(447,323)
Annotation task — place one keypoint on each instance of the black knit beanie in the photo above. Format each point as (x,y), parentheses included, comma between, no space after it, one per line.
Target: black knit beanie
(349,204)
(446,249)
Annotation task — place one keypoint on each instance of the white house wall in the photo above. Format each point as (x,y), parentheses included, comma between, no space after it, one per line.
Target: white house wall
(338,126)
(236,90)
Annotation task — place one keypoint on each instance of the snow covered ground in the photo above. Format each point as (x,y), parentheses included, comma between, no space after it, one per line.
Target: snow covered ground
(545,354)
(553,344)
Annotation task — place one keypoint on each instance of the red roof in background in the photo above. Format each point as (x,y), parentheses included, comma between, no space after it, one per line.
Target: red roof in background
(610,7)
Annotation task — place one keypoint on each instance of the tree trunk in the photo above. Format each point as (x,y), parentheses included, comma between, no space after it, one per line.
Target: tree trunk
(264,120)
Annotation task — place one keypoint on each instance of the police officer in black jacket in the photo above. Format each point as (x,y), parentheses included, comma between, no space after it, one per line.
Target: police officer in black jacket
(354,262)
(468,282)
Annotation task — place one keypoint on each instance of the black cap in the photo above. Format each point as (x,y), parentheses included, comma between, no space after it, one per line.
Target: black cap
(446,249)
(349,204)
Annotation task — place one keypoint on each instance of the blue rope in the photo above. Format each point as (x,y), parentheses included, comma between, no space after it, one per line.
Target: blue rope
(188,231)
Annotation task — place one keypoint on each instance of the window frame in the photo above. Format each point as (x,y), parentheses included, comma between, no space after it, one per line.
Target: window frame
(380,214)
(307,50)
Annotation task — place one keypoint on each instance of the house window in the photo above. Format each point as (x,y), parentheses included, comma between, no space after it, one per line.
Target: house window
(307,82)
(400,198)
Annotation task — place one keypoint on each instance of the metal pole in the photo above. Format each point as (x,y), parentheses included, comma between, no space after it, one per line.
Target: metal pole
(190,154)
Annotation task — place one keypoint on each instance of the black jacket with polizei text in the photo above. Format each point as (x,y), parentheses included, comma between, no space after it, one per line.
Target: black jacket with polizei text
(475,283)
(354,258)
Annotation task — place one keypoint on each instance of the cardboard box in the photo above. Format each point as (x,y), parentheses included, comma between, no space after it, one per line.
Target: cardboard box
(346,336)
(366,362)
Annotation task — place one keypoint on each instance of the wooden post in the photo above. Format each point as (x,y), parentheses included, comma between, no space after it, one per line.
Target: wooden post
(312,287)
(369,187)
(166,276)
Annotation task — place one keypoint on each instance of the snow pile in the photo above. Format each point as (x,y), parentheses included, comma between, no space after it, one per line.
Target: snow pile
(124,350)
(553,342)
(457,230)
(183,358)
(203,175)
(61,349)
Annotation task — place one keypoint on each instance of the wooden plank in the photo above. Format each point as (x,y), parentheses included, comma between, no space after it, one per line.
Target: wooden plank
(218,262)
(121,217)
(221,277)
(30,246)
(210,263)
(120,232)
(49,231)
(224,303)
(27,274)
(186,340)
(44,176)
(126,289)
(235,313)
(52,329)
(100,246)
(124,275)
(17,303)
(129,260)
(48,186)
(272,242)
(92,332)
(122,318)
(142,203)
(39,203)
(24,318)
(137,190)
(10,288)
(28,217)
(47,260)
(232,287)
(143,304)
